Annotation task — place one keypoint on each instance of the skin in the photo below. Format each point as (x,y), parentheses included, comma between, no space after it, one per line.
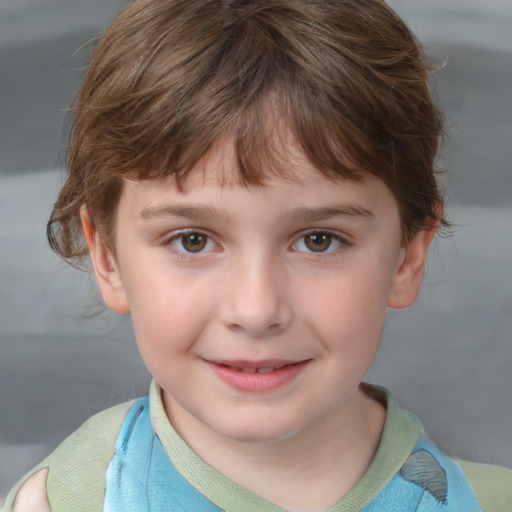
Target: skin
(32,496)
(258,294)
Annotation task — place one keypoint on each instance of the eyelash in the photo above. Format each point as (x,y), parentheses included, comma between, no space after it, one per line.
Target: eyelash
(180,235)
(334,237)
(184,254)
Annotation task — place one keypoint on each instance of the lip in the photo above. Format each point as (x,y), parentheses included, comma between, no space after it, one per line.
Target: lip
(245,375)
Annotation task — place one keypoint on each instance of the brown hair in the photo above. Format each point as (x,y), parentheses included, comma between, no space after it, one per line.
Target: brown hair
(170,77)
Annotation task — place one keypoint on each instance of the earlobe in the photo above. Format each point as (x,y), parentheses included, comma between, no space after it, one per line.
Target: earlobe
(105,266)
(411,268)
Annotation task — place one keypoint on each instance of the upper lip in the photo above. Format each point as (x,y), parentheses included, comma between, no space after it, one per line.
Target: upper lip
(255,365)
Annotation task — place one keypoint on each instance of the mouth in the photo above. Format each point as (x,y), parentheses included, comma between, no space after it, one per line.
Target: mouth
(256,367)
(257,376)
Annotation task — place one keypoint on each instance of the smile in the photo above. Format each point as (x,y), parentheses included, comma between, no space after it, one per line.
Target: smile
(257,376)
(268,369)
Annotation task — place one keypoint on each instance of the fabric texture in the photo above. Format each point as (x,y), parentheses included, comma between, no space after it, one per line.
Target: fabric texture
(130,458)
(76,477)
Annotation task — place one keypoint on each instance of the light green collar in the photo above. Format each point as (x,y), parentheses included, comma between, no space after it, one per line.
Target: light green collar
(401,432)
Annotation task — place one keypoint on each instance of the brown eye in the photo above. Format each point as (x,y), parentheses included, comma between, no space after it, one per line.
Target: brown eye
(193,242)
(318,242)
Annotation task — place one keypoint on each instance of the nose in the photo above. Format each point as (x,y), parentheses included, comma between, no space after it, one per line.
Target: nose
(255,299)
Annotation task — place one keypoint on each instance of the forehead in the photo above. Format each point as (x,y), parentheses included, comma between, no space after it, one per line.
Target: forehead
(215,185)
(273,158)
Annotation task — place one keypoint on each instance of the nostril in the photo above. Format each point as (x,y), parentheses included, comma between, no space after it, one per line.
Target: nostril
(235,327)
(255,314)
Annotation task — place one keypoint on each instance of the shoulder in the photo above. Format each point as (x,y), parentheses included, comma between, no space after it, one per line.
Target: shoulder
(492,485)
(76,466)
(32,495)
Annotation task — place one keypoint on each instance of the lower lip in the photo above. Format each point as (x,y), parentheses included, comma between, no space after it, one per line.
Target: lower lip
(258,382)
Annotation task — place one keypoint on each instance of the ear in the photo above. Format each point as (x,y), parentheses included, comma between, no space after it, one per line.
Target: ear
(411,268)
(105,266)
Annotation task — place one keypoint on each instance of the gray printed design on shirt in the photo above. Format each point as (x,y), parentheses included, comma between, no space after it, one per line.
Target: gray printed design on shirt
(422,469)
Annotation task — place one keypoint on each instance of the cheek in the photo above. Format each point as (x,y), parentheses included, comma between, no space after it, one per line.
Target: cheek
(349,301)
(348,314)
(349,324)
(168,313)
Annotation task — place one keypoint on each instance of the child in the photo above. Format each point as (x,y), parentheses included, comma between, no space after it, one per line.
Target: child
(254,181)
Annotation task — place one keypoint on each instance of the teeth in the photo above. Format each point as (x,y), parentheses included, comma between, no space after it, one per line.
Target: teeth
(243,370)
(266,370)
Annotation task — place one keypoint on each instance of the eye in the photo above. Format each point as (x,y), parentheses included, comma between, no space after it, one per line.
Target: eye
(319,242)
(191,242)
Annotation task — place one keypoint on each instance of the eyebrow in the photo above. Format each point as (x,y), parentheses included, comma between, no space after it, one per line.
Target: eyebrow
(328,212)
(186,212)
(198,213)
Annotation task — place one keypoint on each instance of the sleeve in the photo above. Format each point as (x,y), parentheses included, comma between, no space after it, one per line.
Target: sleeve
(76,477)
(492,485)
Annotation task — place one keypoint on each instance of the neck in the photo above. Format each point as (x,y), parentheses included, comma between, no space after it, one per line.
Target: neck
(317,466)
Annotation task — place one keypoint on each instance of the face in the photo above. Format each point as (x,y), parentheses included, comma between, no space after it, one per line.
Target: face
(257,309)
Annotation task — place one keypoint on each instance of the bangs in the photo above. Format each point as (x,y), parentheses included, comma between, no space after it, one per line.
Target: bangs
(265,135)
(164,100)
(345,82)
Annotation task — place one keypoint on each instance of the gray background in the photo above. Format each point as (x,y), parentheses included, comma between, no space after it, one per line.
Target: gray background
(447,358)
